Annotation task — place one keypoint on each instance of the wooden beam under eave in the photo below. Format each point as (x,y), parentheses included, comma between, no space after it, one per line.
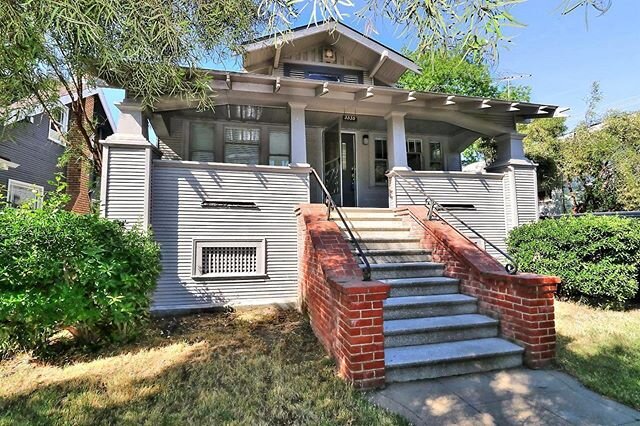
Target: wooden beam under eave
(362,95)
(402,99)
(276,57)
(485,104)
(383,57)
(322,89)
(228,81)
(276,85)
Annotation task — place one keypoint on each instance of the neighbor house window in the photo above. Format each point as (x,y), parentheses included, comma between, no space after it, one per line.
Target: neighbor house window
(279,149)
(201,142)
(241,145)
(229,258)
(59,124)
(380,161)
(414,154)
(19,193)
(435,156)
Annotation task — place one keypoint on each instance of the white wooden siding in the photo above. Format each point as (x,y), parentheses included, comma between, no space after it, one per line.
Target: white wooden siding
(125,197)
(178,218)
(484,191)
(526,194)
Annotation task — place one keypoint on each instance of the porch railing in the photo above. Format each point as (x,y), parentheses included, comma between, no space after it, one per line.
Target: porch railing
(433,207)
(331,205)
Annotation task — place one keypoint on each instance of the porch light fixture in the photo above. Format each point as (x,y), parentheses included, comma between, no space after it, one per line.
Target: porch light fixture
(365,139)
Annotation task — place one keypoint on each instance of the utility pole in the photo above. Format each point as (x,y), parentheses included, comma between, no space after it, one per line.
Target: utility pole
(510,78)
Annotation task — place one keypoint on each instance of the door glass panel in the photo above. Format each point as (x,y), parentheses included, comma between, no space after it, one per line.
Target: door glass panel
(380,161)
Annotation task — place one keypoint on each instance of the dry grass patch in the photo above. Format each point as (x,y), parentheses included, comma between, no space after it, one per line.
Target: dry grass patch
(601,348)
(250,367)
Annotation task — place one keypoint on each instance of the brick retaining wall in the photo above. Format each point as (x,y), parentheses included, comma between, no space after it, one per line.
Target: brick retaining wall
(345,312)
(523,303)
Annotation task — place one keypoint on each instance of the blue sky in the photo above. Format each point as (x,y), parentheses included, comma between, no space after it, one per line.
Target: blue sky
(563,54)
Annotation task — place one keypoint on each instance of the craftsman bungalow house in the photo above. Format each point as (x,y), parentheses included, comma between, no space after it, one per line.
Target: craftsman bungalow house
(221,187)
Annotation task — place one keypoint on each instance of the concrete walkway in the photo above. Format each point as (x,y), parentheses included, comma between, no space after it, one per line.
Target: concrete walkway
(509,397)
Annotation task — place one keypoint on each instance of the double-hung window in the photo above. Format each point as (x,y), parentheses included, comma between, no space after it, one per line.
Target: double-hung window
(19,193)
(201,142)
(414,154)
(435,156)
(380,161)
(59,124)
(242,145)
(279,149)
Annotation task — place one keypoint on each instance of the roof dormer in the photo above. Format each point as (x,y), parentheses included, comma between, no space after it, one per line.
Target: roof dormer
(329,51)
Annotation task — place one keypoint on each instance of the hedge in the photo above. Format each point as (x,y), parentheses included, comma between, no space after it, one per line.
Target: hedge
(597,257)
(60,270)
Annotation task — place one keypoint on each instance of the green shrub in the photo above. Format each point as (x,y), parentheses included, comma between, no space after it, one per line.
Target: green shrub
(60,270)
(597,257)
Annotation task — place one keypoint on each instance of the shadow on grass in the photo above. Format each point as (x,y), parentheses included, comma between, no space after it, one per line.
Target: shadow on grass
(253,367)
(612,369)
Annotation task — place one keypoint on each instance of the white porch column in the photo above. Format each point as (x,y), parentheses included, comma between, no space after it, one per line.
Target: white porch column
(520,181)
(298,135)
(396,141)
(127,159)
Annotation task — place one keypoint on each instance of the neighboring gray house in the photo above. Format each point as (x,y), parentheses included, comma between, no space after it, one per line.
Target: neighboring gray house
(221,187)
(30,149)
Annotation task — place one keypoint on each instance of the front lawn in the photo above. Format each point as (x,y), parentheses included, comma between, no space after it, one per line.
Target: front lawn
(251,367)
(601,348)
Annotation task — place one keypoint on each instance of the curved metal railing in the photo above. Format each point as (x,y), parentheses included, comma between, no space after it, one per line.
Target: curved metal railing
(331,205)
(511,266)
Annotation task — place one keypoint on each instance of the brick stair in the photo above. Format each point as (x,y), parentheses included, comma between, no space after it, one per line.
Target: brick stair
(430,329)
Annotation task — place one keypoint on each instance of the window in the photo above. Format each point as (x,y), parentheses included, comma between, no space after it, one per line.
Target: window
(19,193)
(241,145)
(229,259)
(201,142)
(435,156)
(414,154)
(279,149)
(59,124)
(380,161)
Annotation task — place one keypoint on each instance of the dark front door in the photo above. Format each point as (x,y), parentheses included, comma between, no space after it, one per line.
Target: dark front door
(348,157)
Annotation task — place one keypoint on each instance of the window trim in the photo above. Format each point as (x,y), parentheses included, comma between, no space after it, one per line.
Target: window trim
(260,143)
(271,154)
(421,152)
(375,138)
(12,183)
(261,257)
(64,127)
(189,135)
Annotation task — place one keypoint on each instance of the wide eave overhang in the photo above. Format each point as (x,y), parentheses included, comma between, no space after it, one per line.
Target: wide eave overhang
(272,90)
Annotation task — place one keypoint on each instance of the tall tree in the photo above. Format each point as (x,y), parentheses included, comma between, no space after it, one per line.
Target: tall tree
(152,48)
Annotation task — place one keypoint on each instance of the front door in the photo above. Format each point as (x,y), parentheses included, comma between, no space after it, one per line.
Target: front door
(340,165)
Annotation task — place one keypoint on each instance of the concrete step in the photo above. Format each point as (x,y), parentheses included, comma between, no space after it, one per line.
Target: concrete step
(395,255)
(421,331)
(449,359)
(355,213)
(367,225)
(428,306)
(383,242)
(387,233)
(423,286)
(406,270)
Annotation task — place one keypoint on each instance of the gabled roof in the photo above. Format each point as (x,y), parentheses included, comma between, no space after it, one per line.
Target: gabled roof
(65,99)
(386,64)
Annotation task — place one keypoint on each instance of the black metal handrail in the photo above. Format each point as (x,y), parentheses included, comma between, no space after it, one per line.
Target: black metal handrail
(331,205)
(433,206)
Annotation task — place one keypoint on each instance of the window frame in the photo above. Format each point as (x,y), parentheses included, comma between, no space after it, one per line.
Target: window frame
(440,161)
(261,257)
(189,144)
(13,183)
(271,154)
(414,141)
(64,126)
(243,128)
(376,139)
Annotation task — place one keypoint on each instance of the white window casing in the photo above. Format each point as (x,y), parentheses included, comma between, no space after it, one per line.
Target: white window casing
(221,258)
(21,192)
(59,124)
